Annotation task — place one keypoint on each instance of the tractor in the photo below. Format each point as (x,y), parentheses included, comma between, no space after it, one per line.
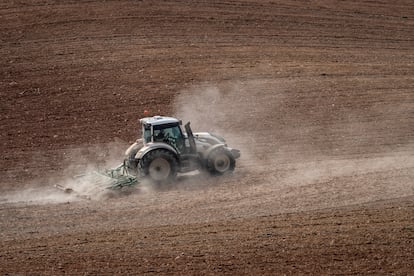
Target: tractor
(165,150)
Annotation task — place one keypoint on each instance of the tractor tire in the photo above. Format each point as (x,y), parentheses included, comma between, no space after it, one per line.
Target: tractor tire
(220,161)
(160,166)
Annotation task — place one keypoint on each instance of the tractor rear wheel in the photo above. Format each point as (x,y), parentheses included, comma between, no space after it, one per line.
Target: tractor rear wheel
(220,161)
(159,165)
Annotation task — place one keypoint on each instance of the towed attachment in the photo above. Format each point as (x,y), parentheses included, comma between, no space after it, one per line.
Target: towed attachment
(91,184)
(120,176)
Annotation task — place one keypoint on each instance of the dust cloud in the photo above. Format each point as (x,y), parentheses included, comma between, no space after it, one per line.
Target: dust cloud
(81,179)
(40,195)
(298,152)
(238,111)
(296,149)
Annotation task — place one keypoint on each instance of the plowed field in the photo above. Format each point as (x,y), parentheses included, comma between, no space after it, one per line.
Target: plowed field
(317,95)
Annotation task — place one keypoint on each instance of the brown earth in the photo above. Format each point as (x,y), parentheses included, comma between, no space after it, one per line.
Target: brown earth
(318,95)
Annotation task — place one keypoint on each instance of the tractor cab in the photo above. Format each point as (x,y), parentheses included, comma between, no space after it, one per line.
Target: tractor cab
(167,130)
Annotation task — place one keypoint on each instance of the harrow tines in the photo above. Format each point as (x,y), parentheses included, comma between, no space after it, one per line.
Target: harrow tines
(120,176)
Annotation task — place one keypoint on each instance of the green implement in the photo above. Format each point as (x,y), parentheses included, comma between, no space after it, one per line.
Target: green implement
(120,176)
(94,184)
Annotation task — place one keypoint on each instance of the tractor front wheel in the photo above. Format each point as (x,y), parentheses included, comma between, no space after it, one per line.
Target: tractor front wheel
(159,165)
(220,161)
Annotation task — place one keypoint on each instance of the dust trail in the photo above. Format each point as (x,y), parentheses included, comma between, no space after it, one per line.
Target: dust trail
(301,145)
(41,195)
(80,179)
(237,111)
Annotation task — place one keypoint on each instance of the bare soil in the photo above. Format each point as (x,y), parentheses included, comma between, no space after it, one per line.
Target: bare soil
(317,95)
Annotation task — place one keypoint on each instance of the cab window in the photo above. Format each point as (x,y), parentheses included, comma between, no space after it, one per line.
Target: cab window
(170,134)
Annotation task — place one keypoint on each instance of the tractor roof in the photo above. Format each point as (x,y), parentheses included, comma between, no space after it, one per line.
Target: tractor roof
(158,120)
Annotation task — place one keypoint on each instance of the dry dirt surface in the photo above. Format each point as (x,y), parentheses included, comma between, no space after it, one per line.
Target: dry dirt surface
(317,95)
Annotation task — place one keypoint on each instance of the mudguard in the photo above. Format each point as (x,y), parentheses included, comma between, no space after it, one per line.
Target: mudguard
(134,148)
(234,152)
(207,153)
(153,146)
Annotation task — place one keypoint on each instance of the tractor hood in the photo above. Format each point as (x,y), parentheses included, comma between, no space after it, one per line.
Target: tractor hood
(210,138)
(206,142)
